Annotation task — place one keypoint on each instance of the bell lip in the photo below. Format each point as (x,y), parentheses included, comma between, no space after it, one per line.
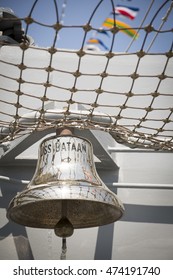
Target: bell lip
(115,200)
(10,216)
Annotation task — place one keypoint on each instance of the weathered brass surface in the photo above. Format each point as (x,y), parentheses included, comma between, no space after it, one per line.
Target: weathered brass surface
(65,188)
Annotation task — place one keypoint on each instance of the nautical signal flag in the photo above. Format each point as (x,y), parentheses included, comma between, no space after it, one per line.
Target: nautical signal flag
(97,41)
(103,31)
(130,12)
(127,29)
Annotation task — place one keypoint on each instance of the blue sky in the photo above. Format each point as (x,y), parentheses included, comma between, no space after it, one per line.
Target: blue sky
(78,12)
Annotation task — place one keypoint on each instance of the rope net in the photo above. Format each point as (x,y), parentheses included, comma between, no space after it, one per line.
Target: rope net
(103,79)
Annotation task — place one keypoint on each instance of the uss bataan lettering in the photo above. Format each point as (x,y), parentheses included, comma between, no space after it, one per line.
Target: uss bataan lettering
(63,146)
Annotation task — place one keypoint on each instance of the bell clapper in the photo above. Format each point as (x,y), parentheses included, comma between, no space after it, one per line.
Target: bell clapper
(63,229)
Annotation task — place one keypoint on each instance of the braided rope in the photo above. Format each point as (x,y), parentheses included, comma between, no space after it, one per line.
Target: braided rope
(128,94)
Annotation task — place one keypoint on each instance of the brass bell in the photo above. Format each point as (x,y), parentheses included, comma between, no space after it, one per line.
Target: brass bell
(65,192)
